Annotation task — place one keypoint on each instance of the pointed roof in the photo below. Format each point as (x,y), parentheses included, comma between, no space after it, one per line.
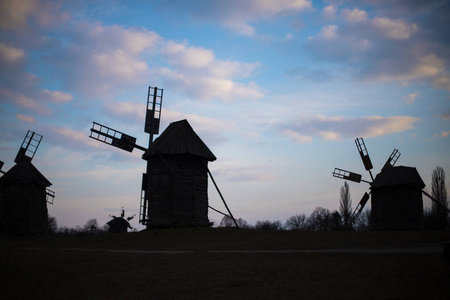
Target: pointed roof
(25,172)
(179,138)
(400,175)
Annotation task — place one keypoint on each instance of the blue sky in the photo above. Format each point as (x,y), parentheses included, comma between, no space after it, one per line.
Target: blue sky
(278,90)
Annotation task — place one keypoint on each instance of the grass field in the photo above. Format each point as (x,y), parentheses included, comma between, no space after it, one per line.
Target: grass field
(221,263)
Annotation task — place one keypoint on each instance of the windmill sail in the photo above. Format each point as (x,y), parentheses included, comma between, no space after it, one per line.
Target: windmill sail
(114,137)
(359,208)
(29,146)
(347,175)
(391,160)
(364,155)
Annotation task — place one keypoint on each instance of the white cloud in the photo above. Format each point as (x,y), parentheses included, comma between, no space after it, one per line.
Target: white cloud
(128,110)
(26,102)
(25,119)
(10,54)
(394,29)
(410,98)
(329,11)
(236,14)
(334,128)
(72,138)
(445,133)
(189,57)
(298,137)
(328,32)
(56,96)
(354,16)
(423,67)
(288,36)
(442,81)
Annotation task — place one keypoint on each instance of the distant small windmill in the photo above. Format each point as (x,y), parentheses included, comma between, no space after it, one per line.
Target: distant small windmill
(176,201)
(396,193)
(24,192)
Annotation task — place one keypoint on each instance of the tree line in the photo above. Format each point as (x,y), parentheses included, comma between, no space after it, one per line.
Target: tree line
(322,219)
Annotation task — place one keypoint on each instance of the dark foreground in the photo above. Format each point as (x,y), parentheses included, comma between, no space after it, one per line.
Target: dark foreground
(227,264)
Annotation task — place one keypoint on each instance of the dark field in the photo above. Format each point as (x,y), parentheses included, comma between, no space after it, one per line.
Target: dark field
(227,264)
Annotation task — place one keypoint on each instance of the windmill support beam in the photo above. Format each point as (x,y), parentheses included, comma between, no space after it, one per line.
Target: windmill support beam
(435,201)
(223,200)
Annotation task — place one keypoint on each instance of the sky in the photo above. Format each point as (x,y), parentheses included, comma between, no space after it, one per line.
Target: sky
(278,90)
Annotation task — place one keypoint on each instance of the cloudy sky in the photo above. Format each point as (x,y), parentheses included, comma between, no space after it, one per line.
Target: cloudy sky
(278,90)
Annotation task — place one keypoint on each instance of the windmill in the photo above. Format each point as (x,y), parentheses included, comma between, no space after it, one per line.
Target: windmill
(119,224)
(355,177)
(24,191)
(163,172)
(396,193)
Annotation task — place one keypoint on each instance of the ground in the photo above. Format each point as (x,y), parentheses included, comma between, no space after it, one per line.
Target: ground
(220,263)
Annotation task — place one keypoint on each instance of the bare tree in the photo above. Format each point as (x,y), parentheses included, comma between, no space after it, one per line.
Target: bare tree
(320,219)
(439,192)
(345,206)
(91,226)
(296,222)
(228,222)
(268,225)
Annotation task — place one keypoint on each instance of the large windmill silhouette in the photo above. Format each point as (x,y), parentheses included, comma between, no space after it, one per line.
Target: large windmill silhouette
(174,187)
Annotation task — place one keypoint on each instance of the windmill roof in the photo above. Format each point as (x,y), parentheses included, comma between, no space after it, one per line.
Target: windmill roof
(398,176)
(118,221)
(25,172)
(179,138)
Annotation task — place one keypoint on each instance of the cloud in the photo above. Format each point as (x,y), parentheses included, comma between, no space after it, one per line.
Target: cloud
(328,32)
(334,128)
(25,102)
(240,171)
(384,49)
(354,16)
(189,57)
(329,11)
(442,81)
(405,69)
(445,134)
(410,98)
(71,138)
(25,119)
(10,55)
(20,15)
(236,15)
(394,29)
(97,59)
(56,96)
(446,115)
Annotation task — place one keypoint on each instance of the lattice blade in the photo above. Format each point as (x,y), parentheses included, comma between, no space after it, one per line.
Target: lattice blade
(391,160)
(154,105)
(50,196)
(347,175)
(112,137)
(359,208)
(363,153)
(29,146)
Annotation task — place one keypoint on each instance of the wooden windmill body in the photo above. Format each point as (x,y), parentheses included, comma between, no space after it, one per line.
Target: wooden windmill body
(396,193)
(175,186)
